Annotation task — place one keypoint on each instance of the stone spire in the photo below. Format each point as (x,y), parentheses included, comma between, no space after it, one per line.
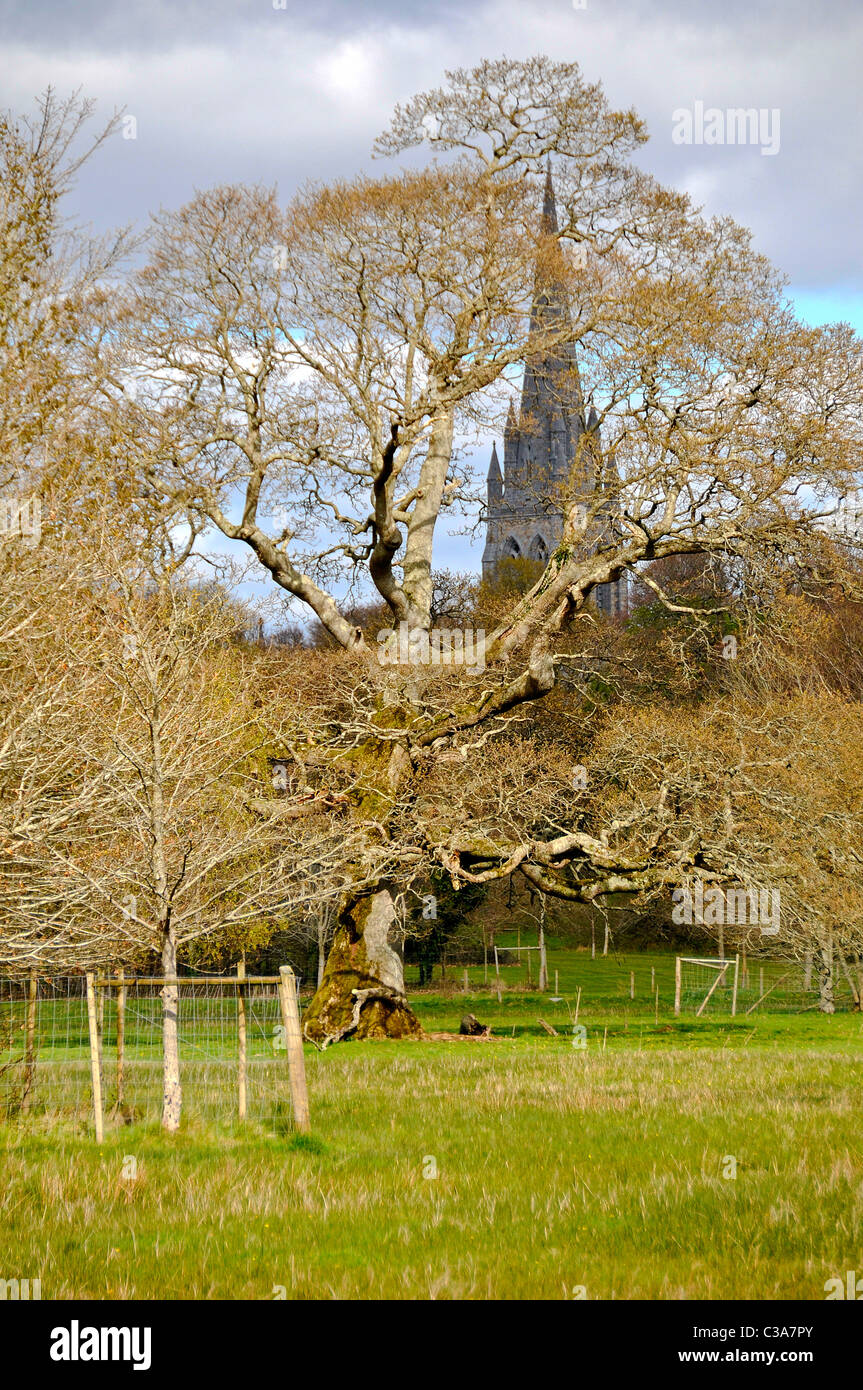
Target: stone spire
(494,481)
(549,204)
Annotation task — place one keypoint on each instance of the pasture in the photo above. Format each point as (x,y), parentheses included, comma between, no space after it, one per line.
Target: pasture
(664,1158)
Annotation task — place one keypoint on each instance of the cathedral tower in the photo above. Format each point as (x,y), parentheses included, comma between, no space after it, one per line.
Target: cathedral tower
(524,518)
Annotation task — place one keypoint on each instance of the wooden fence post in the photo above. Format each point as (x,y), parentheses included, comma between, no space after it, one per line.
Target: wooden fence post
(95,1068)
(734,990)
(241,1040)
(678,978)
(121,1034)
(632,984)
(30,1040)
(496,963)
(294,1048)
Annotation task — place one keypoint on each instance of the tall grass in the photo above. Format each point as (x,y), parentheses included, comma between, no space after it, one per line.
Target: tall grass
(558,1169)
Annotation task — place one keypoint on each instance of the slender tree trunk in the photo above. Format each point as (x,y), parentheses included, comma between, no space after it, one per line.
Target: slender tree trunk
(172,1094)
(826,976)
(543,963)
(362,994)
(321,954)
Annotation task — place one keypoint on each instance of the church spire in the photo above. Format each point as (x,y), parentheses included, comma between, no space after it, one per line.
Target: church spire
(549,203)
(494,482)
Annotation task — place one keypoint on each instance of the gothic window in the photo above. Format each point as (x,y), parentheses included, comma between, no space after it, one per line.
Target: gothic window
(538,549)
(511,548)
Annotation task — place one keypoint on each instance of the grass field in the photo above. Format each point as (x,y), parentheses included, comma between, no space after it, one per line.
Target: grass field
(602,1168)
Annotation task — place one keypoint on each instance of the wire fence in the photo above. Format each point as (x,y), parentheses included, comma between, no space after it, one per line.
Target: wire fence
(762,986)
(232,1046)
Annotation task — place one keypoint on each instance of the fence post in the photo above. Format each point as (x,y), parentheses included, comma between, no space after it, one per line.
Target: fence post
(95,1070)
(678,975)
(632,984)
(294,1048)
(121,1034)
(496,963)
(30,1040)
(241,1040)
(734,990)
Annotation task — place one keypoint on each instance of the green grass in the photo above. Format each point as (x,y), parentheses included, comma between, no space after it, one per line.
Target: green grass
(557,1166)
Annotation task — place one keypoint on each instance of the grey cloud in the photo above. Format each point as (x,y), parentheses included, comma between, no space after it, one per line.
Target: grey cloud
(148,25)
(228,90)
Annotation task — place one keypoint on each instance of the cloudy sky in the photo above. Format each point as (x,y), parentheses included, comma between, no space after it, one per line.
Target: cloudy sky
(239,90)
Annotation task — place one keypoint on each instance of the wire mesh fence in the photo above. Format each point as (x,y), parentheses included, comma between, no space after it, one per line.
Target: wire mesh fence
(232,1045)
(708,986)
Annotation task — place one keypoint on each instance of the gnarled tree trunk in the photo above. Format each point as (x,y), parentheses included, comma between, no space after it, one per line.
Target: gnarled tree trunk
(362,994)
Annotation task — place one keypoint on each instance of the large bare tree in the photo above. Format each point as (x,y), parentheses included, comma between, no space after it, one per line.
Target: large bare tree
(307,379)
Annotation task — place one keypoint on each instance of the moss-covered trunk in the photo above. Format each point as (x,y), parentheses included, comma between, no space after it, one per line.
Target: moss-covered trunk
(362,993)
